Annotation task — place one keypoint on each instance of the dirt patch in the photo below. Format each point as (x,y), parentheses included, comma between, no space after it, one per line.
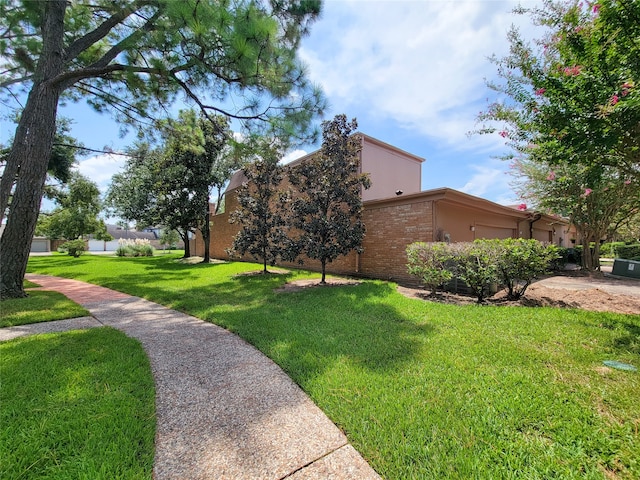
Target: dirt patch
(539,295)
(298,285)
(196,259)
(270,271)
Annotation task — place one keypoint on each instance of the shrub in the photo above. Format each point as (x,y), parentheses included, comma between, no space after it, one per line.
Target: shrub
(428,262)
(629,252)
(476,264)
(520,261)
(75,248)
(134,248)
(610,249)
(483,264)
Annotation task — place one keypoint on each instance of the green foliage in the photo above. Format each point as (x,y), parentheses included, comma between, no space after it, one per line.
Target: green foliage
(77,213)
(610,249)
(476,264)
(169,238)
(327,206)
(521,261)
(483,264)
(75,248)
(134,59)
(422,389)
(428,261)
(171,185)
(570,110)
(76,405)
(629,252)
(262,208)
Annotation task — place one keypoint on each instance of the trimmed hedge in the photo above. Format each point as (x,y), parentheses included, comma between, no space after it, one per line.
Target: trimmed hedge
(629,252)
(513,263)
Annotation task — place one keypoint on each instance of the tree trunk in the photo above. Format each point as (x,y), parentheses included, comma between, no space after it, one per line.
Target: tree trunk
(30,154)
(206,237)
(187,247)
(324,269)
(587,257)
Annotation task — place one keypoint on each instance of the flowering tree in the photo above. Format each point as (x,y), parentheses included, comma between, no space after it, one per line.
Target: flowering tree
(592,197)
(572,111)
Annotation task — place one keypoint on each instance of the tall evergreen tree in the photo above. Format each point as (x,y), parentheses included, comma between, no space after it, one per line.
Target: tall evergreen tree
(134,58)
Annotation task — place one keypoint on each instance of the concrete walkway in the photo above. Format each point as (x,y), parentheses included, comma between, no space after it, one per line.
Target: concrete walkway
(224,410)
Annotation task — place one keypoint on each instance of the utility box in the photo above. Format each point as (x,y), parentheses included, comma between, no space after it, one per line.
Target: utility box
(626,268)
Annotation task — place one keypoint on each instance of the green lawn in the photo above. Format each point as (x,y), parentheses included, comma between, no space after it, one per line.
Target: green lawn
(76,405)
(39,306)
(422,390)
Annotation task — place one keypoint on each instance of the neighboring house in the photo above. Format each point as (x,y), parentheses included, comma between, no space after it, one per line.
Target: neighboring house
(118,233)
(397,213)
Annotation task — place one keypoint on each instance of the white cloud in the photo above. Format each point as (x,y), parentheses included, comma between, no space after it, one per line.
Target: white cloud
(291,156)
(101,168)
(421,64)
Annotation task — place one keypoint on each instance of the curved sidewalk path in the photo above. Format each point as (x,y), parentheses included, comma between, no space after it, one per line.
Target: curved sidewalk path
(224,410)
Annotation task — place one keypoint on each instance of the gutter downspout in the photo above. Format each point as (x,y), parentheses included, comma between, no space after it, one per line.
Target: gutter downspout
(534,218)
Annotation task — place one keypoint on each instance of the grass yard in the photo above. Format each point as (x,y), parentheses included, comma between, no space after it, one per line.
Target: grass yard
(422,390)
(76,405)
(40,306)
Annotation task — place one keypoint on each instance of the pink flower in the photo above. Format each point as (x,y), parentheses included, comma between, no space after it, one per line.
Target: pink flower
(587,192)
(522,206)
(627,182)
(551,176)
(541,91)
(614,99)
(503,134)
(596,8)
(572,71)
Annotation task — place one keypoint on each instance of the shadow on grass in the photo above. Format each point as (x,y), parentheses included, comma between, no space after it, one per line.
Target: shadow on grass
(306,332)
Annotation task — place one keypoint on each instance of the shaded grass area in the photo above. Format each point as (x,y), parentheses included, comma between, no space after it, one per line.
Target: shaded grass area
(423,390)
(39,306)
(75,405)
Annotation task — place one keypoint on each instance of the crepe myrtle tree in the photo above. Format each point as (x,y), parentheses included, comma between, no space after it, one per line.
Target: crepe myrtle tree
(327,205)
(134,59)
(571,106)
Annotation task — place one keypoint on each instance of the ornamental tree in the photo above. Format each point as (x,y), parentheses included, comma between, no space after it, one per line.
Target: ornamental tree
(594,198)
(262,207)
(571,105)
(134,59)
(327,205)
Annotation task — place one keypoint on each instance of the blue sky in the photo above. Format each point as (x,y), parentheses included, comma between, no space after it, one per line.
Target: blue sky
(412,73)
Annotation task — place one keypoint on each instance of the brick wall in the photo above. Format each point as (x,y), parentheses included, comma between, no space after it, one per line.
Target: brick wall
(390,228)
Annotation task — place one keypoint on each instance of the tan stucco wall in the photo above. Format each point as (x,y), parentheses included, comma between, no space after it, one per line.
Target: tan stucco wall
(465,224)
(390,170)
